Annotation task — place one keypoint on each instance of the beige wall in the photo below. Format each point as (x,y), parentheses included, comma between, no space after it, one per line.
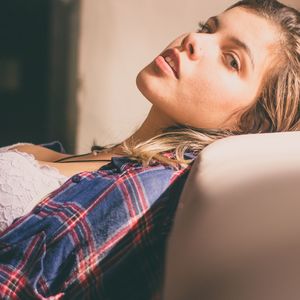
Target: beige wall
(117,39)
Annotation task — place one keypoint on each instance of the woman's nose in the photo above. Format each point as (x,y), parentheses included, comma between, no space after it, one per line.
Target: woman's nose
(191,45)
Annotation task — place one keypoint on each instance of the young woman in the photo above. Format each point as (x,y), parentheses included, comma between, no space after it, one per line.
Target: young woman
(102,233)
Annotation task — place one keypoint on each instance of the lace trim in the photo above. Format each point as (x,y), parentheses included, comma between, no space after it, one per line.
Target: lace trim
(52,171)
(6,148)
(23,183)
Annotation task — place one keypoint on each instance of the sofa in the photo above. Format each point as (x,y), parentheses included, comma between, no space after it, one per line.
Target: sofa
(236,233)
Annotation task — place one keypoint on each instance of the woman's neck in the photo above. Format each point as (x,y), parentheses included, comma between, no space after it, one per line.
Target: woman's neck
(152,126)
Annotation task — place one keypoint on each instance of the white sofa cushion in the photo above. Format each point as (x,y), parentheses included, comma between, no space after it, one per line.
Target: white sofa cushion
(237,221)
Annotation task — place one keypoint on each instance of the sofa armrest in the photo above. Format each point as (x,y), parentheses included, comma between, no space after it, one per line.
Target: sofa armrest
(237,226)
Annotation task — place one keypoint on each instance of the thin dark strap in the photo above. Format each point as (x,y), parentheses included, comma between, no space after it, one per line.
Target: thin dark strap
(72,156)
(88,160)
(66,159)
(94,148)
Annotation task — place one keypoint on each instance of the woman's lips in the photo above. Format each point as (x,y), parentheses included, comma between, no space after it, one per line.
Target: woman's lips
(168,61)
(172,58)
(164,66)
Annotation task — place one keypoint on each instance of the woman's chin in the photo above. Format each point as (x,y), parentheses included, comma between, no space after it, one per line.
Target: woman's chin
(154,87)
(147,83)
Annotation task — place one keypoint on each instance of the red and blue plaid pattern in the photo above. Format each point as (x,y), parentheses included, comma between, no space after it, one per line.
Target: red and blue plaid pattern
(101,235)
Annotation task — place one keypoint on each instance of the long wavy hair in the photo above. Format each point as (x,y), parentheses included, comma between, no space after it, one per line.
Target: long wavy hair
(275,109)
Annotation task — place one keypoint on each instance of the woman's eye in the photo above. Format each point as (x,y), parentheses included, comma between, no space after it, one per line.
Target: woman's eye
(234,62)
(203,27)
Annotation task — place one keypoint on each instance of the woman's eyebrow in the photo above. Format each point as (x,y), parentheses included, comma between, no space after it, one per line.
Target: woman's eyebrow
(235,40)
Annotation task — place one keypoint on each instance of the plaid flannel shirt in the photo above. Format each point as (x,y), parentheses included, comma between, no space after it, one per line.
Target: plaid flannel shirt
(101,235)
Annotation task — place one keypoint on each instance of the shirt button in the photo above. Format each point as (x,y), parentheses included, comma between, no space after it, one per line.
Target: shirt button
(37,209)
(76,178)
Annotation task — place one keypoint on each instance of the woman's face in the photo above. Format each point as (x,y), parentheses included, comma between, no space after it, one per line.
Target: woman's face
(215,74)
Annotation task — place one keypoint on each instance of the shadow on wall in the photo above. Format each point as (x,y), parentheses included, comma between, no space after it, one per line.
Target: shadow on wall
(38,70)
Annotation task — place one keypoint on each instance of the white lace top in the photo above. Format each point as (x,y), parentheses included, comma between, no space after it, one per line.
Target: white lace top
(23,183)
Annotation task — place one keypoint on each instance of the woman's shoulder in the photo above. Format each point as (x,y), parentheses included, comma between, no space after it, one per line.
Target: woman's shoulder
(13,146)
(43,152)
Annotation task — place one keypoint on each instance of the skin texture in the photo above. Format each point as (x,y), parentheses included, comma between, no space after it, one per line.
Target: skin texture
(210,89)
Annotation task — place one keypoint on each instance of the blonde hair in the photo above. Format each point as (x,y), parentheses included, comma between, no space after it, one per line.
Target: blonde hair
(275,109)
(177,140)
